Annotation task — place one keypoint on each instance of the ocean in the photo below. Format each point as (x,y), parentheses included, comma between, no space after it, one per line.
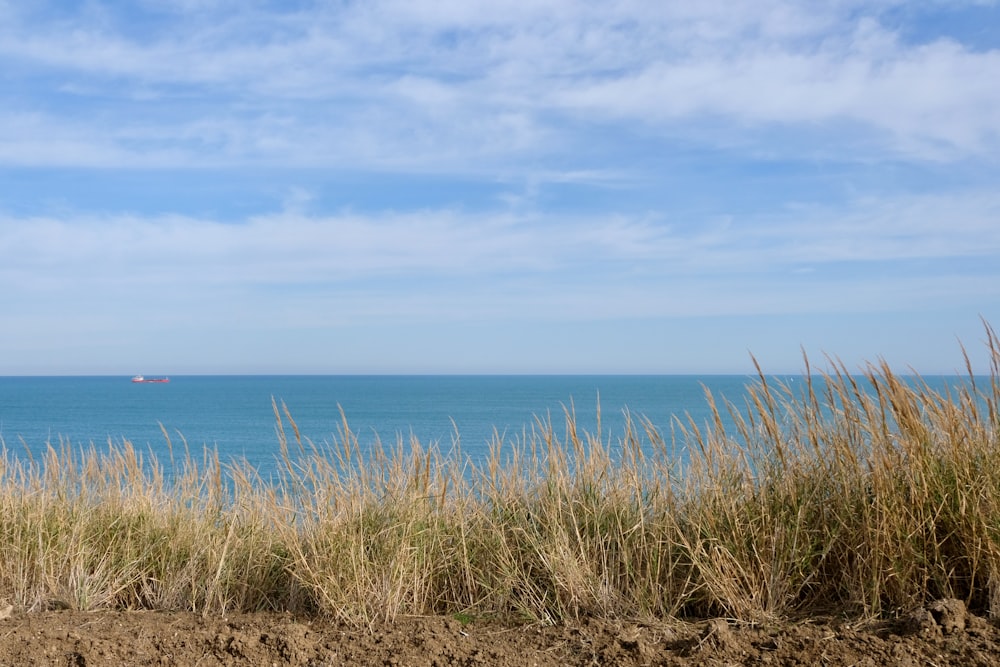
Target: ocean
(234,414)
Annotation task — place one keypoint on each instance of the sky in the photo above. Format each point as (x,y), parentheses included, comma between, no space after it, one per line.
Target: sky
(467,186)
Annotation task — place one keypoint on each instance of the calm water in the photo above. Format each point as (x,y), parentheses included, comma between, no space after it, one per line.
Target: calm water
(234,414)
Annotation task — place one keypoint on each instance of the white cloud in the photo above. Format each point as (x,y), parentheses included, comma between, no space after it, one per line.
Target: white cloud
(412,84)
(923,98)
(454,264)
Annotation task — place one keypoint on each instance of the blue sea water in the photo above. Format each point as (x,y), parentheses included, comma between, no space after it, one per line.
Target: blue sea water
(234,413)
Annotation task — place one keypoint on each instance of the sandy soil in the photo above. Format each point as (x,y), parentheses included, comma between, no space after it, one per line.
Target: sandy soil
(943,634)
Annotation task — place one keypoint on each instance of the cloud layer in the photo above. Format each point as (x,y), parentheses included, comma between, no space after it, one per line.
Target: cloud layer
(420,177)
(544,265)
(423,85)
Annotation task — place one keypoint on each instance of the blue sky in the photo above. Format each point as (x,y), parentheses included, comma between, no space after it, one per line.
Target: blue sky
(456,186)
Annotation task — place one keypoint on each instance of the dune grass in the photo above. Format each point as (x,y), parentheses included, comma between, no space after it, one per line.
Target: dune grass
(854,494)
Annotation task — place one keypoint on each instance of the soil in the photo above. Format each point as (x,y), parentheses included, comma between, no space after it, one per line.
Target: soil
(942,634)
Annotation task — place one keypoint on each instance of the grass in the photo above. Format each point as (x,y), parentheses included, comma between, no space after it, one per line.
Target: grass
(860,495)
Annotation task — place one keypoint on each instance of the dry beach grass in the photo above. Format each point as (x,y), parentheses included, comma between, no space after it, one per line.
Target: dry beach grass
(860,496)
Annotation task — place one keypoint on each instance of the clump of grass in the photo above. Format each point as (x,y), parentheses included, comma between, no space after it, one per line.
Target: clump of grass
(93,529)
(856,494)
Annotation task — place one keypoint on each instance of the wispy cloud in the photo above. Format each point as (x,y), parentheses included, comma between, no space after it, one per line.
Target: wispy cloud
(415,84)
(630,265)
(168,167)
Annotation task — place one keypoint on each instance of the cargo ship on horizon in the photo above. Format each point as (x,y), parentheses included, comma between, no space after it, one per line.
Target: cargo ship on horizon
(145,380)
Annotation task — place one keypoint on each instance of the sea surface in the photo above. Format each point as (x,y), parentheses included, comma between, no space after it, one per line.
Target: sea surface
(234,414)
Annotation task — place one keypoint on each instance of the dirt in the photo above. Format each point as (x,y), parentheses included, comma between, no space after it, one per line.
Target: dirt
(941,634)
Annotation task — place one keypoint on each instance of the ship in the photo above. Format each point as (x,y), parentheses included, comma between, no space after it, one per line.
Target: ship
(146,380)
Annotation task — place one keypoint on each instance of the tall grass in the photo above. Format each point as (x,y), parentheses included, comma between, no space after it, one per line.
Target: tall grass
(859,494)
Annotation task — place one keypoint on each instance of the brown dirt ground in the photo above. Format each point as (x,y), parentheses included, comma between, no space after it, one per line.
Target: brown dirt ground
(942,634)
